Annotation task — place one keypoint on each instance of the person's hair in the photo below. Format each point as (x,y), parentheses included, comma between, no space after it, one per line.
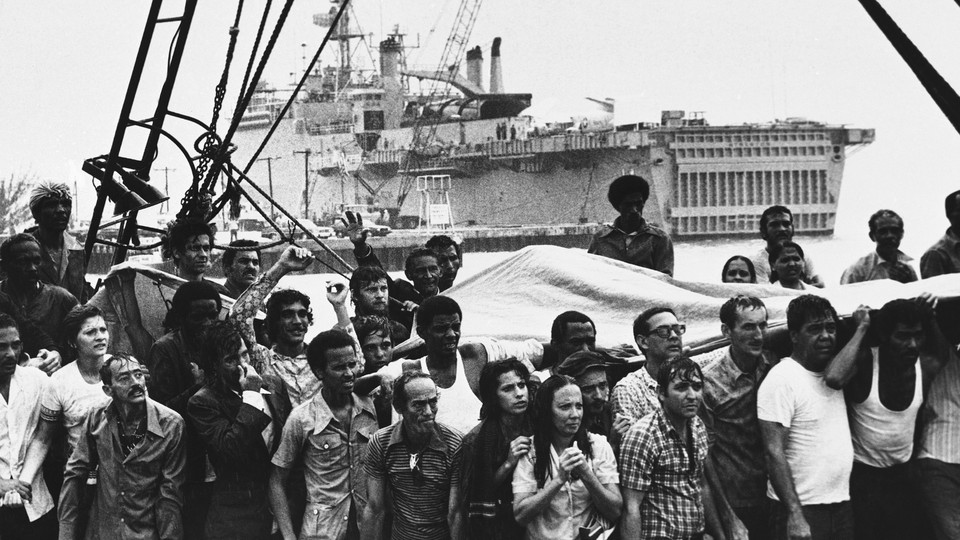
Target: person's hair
(229,255)
(775,252)
(741,302)
(625,185)
(558,330)
(746,260)
(805,307)
(641,325)
(765,217)
(220,340)
(365,275)
(48,191)
(437,305)
(6,248)
(106,374)
(883,213)
(180,305)
(490,383)
(323,342)
(398,332)
(417,253)
(440,242)
(681,368)
(899,311)
(6,321)
(950,203)
(72,322)
(275,304)
(400,397)
(367,325)
(543,426)
(181,232)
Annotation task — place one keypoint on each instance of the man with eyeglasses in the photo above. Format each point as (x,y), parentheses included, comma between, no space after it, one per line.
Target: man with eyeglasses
(805,431)
(419,459)
(631,239)
(886,261)
(658,334)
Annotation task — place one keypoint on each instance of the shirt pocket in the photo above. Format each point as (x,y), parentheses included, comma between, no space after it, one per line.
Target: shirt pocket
(329,448)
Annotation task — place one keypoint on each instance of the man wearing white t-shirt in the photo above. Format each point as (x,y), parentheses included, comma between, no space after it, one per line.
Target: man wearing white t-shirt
(806,435)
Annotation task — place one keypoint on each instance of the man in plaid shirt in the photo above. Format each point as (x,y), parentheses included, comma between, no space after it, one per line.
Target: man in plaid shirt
(661,460)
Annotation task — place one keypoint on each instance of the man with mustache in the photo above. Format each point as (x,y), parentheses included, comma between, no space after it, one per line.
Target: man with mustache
(776,227)
(805,432)
(884,371)
(240,267)
(288,317)
(735,467)
(631,239)
(886,261)
(414,465)
(63,260)
(138,446)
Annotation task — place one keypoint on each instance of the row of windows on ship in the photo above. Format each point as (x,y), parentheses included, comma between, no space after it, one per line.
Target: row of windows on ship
(752,137)
(759,151)
(753,188)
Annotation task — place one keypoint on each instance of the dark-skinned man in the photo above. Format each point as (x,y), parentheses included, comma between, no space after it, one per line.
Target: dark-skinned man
(189,243)
(776,227)
(943,257)
(63,260)
(886,261)
(631,239)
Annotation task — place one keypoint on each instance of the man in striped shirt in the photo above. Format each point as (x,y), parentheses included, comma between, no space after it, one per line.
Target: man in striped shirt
(419,459)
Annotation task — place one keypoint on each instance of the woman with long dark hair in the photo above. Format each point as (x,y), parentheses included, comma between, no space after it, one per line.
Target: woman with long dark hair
(492,450)
(738,269)
(569,478)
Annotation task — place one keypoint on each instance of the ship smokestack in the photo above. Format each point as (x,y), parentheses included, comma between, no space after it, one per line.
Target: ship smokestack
(496,71)
(389,58)
(475,66)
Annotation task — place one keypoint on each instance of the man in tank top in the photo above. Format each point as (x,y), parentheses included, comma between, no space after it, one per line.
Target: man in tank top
(883,381)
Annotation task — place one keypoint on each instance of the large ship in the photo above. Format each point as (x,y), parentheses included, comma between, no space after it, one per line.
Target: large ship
(472,156)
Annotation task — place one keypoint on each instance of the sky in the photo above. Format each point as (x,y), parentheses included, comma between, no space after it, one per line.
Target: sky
(64,68)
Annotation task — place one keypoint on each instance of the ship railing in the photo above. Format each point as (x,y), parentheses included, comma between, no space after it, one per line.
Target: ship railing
(318,129)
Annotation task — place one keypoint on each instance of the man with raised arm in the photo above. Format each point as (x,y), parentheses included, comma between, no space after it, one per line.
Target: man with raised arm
(240,267)
(288,317)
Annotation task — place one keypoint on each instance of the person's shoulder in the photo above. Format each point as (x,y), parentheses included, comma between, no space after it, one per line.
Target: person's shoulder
(166,415)
(32,375)
(599,442)
(65,375)
(654,229)
(450,436)
(59,292)
(204,395)
(605,230)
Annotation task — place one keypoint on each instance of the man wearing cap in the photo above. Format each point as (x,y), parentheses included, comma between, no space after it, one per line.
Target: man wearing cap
(631,239)
(62,259)
(589,368)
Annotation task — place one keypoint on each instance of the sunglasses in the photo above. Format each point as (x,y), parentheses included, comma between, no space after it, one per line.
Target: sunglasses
(663,332)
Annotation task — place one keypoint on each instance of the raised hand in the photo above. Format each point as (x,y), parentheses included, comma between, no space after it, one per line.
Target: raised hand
(197,373)
(621,424)
(48,361)
(295,258)
(862,315)
(519,447)
(337,293)
(250,380)
(354,228)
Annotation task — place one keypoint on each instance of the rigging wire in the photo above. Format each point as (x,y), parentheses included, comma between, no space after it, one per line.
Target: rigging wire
(256,47)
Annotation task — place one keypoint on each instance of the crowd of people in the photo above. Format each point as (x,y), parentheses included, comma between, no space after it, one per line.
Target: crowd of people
(232,427)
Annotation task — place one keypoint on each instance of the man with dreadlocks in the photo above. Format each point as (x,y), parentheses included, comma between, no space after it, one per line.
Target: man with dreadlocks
(62,259)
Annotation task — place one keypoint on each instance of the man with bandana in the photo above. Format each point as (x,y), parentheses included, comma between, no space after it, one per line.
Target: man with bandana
(63,261)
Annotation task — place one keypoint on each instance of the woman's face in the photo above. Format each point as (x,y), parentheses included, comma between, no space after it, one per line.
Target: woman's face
(789,266)
(512,393)
(92,339)
(737,272)
(567,410)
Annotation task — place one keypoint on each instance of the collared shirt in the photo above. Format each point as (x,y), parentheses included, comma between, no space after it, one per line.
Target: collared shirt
(941,416)
(333,462)
(68,399)
(420,502)
(572,507)
(942,257)
(635,395)
(871,267)
(729,414)
(70,273)
(46,308)
(649,247)
(655,460)
(138,496)
(18,421)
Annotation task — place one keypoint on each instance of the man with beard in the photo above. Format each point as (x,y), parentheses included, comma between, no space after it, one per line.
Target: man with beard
(884,377)
(189,243)
(776,227)
(415,465)
(589,369)
(735,466)
(455,367)
(288,317)
(805,432)
(136,445)
(369,289)
(239,416)
(176,375)
(43,304)
(240,267)
(63,260)
(944,256)
(886,261)
(631,239)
